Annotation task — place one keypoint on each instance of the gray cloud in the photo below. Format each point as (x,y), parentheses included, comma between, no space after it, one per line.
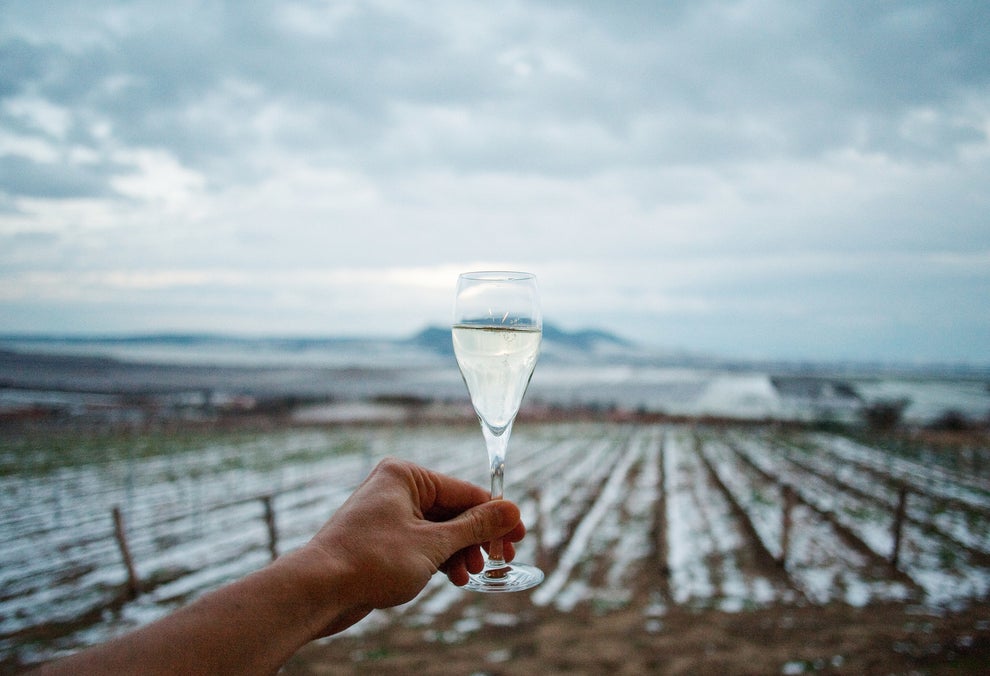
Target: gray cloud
(213,143)
(32,179)
(706,82)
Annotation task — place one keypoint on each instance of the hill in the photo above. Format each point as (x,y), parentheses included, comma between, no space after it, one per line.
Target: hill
(437,339)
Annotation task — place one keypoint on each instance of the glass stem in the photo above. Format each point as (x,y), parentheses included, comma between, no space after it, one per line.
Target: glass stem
(497,445)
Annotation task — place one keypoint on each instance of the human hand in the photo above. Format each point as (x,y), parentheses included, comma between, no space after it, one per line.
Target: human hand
(402,525)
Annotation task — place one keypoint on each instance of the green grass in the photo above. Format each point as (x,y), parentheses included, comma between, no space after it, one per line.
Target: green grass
(40,454)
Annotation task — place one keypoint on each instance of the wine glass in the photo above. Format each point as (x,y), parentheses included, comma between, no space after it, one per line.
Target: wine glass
(496,333)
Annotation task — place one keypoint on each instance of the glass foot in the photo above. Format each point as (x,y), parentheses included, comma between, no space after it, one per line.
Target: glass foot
(508,578)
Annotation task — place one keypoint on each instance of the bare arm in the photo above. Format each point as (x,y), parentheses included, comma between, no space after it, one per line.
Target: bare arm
(402,525)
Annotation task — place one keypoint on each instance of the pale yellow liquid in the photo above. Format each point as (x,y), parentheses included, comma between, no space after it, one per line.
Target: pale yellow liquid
(497,364)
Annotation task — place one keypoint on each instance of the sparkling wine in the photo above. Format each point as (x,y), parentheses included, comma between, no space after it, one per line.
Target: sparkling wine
(496,329)
(497,363)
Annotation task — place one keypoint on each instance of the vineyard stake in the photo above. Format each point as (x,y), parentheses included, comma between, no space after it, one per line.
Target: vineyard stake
(536,495)
(266,500)
(133,583)
(785,523)
(660,522)
(898,525)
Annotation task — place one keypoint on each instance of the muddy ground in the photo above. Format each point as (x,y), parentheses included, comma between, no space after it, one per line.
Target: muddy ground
(830,640)
(592,639)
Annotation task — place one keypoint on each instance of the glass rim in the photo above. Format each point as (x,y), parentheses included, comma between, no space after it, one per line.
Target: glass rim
(498,275)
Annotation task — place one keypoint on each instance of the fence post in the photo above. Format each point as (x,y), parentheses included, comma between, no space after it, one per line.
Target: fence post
(895,555)
(659,535)
(266,500)
(133,583)
(785,523)
(536,529)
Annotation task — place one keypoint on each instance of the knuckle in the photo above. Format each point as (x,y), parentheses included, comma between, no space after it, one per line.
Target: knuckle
(390,465)
(480,531)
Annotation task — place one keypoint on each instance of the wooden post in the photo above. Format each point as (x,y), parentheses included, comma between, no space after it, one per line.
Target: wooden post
(537,528)
(659,535)
(898,526)
(266,500)
(133,583)
(786,520)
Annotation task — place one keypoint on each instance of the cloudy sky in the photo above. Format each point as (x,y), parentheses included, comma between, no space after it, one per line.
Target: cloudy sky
(756,178)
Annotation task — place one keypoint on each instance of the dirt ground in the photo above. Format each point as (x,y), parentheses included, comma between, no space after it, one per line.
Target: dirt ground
(829,640)
(605,639)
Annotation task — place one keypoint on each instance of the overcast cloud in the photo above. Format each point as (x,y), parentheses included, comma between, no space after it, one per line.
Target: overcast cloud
(763,178)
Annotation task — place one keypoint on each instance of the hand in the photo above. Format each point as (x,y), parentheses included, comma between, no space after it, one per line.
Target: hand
(402,525)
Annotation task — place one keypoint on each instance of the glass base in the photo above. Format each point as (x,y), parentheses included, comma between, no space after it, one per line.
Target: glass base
(506,578)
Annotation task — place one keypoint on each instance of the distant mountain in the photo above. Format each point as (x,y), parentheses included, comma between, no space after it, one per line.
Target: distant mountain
(433,338)
(588,339)
(431,345)
(170,339)
(437,339)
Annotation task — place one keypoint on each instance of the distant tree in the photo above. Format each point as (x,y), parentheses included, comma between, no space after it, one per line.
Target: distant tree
(951,421)
(885,414)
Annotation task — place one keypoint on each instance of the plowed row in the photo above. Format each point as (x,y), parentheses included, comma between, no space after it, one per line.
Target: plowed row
(656,519)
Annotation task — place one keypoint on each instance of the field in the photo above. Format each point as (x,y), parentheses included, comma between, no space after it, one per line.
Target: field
(671,547)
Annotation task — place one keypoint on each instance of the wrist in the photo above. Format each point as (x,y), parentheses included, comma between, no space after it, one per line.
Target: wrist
(324,589)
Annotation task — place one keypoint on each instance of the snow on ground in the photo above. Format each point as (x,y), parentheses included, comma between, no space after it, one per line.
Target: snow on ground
(946,572)
(589,493)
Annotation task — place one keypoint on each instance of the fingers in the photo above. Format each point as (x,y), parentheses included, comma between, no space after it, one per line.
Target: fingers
(462,516)
(457,567)
(471,560)
(508,551)
(474,559)
(438,496)
(447,497)
(473,517)
(481,524)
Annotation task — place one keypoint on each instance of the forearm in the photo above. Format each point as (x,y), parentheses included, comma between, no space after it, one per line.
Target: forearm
(249,627)
(379,550)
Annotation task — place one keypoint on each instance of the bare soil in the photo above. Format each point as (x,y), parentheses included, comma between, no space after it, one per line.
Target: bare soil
(591,639)
(831,640)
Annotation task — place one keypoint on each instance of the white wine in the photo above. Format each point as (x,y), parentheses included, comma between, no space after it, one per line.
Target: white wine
(496,334)
(496,363)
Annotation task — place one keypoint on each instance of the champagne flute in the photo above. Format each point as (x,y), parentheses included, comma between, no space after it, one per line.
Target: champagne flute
(496,333)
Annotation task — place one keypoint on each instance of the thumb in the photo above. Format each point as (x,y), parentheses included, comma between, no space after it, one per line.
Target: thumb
(480,524)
